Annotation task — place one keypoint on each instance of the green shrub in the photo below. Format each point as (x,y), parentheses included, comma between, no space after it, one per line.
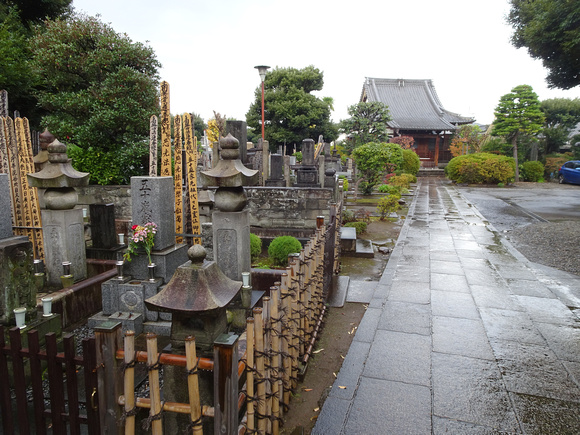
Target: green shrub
(532,171)
(298,155)
(361,227)
(388,204)
(481,168)
(411,162)
(403,180)
(389,188)
(255,246)
(281,247)
(365,188)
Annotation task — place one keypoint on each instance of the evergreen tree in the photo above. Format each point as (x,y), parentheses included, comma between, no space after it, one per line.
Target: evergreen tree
(518,113)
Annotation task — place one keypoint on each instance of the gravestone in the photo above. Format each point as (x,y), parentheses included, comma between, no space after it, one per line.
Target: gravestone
(239,130)
(276,171)
(306,174)
(103,225)
(5,208)
(124,297)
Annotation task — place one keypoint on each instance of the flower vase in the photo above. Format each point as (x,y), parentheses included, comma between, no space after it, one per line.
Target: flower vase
(20,316)
(46,306)
(151,272)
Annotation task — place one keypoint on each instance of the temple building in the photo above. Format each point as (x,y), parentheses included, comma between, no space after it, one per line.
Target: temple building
(416,111)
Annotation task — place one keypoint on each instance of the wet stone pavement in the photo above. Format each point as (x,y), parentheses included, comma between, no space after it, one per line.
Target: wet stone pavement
(462,336)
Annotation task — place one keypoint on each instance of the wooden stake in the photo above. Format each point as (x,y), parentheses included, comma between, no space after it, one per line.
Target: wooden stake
(153,133)
(38,241)
(193,385)
(4,166)
(12,147)
(177,179)
(191,157)
(165,131)
(152,358)
(129,383)
(286,339)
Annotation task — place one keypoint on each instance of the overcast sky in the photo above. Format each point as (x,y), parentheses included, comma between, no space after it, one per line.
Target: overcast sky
(209,48)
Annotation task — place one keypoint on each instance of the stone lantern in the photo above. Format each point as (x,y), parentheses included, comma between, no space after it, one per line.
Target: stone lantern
(196,296)
(62,224)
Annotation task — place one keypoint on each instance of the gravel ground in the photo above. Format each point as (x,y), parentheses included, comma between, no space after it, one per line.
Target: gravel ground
(554,244)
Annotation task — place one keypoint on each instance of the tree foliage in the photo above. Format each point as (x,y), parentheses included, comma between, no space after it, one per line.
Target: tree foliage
(562,115)
(518,113)
(467,140)
(367,123)
(35,12)
(550,29)
(292,113)
(374,160)
(98,87)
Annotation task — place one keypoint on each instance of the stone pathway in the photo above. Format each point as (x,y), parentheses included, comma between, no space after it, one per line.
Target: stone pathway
(462,335)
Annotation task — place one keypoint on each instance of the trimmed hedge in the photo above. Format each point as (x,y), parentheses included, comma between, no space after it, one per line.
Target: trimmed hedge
(481,168)
(255,246)
(532,171)
(411,162)
(281,247)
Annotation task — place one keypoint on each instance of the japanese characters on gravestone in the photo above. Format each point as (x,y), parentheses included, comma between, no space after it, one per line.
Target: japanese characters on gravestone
(165,131)
(4,165)
(153,129)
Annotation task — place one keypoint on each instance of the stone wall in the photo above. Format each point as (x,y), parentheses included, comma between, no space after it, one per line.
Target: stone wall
(269,207)
(288,207)
(120,196)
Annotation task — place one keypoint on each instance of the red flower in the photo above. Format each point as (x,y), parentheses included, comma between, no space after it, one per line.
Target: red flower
(134,226)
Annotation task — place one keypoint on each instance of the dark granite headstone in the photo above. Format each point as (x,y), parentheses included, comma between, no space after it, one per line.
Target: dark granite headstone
(307,152)
(276,167)
(103,225)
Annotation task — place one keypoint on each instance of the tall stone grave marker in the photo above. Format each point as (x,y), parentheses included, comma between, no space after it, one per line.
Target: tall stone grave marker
(231,223)
(239,130)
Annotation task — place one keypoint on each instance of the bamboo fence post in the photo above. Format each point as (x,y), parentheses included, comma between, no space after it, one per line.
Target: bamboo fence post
(260,372)
(193,385)
(129,383)
(250,373)
(294,321)
(266,308)
(285,327)
(275,358)
(302,302)
(153,368)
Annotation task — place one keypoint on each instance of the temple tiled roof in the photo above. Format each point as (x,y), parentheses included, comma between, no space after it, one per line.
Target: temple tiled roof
(413,104)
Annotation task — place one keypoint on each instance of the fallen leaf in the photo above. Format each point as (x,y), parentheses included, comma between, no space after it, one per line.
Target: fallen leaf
(313,418)
(342,357)
(318,351)
(334,374)
(316,409)
(342,387)
(307,389)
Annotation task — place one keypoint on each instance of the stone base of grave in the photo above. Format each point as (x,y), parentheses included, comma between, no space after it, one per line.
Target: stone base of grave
(124,301)
(166,261)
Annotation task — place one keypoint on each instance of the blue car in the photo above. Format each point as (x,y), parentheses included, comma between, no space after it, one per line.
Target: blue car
(569,172)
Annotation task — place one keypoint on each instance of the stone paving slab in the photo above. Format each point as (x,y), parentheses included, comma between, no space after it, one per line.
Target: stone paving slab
(462,335)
